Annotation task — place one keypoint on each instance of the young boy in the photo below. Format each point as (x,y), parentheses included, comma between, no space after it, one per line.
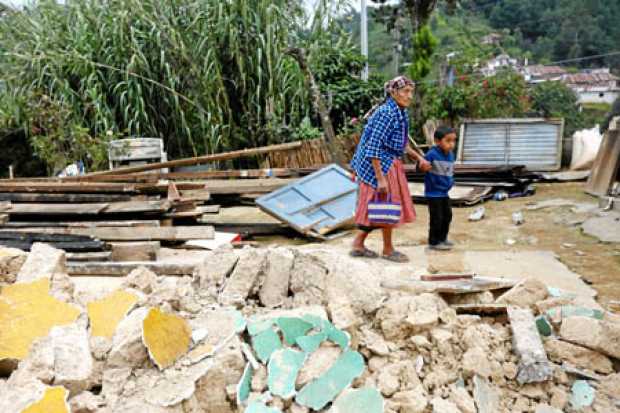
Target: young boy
(437,183)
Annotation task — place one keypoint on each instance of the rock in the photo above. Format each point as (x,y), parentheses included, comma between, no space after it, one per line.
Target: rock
(18,395)
(228,366)
(317,364)
(444,406)
(559,398)
(308,281)
(475,361)
(485,396)
(598,335)
(525,294)
(278,269)
(221,324)
(73,362)
(483,297)
(463,400)
(582,395)
(610,386)
(128,349)
(142,279)
(581,357)
(213,271)
(259,379)
(113,383)
(374,342)
(388,380)
(450,262)
(402,316)
(11,260)
(43,261)
(243,279)
(411,401)
(86,402)
(545,408)
(574,300)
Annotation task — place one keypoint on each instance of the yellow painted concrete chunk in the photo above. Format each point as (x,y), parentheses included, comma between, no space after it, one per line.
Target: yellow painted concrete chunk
(28,312)
(54,401)
(105,314)
(166,336)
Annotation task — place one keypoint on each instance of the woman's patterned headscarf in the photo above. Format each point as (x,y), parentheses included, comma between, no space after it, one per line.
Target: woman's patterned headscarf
(396,84)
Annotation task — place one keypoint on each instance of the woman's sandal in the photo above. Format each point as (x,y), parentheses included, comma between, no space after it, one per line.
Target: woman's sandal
(396,256)
(363,253)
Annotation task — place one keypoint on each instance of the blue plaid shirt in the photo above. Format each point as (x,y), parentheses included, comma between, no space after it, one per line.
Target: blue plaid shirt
(385,138)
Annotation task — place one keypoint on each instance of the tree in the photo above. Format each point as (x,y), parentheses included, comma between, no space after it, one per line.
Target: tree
(424,44)
(556,100)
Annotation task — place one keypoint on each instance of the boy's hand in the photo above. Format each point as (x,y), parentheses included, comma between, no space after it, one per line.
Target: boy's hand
(425,165)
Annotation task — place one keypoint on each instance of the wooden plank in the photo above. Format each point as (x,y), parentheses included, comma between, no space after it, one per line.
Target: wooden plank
(446,277)
(63,198)
(534,366)
(197,195)
(138,206)
(244,153)
(121,269)
(210,209)
(37,236)
(57,209)
(89,256)
(254,186)
(481,309)
(179,233)
(606,165)
(34,225)
(475,285)
(70,187)
(135,251)
(82,246)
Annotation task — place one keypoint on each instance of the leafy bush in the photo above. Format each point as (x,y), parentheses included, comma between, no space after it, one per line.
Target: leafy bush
(556,100)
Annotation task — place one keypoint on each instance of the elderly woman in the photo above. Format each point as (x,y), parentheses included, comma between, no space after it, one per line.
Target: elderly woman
(379,169)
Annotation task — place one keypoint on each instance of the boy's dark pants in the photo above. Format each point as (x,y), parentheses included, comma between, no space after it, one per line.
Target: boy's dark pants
(441,217)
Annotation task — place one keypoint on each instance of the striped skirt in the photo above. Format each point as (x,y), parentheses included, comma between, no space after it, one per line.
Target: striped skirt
(399,193)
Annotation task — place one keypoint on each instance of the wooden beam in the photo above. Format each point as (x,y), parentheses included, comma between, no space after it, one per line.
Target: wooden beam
(81,246)
(63,198)
(256,186)
(91,209)
(200,159)
(35,225)
(180,233)
(121,269)
(135,251)
(70,187)
(89,256)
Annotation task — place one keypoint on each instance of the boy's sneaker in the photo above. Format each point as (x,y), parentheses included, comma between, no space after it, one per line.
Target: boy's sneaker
(448,243)
(439,247)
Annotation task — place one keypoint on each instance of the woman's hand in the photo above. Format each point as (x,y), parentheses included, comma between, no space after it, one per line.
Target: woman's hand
(382,185)
(425,165)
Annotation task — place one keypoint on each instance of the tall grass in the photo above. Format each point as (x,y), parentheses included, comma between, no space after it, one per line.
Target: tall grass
(205,75)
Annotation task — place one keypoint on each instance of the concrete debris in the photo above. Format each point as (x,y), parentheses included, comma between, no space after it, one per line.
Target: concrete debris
(605,227)
(582,395)
(533,363)
(43,261)
(237,337)
(599,335)
(11,260)
(525,294)
(478,214)
(54,400)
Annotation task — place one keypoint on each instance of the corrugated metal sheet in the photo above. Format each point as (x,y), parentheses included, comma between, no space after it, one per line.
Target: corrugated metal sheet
(316,204)
(535,143)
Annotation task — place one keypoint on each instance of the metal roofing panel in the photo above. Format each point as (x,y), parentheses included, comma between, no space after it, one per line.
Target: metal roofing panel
(535,143)
(317,204)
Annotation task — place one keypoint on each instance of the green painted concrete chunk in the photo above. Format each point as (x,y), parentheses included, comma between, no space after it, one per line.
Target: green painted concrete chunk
(240,322)
(339,337)
(320,392)
(293,327)
(258,326)
(571,310)
(367,400)
(582,395)
(311,342)
(245,385)
(258,407)
(265,344)
(544,326)
(283,368)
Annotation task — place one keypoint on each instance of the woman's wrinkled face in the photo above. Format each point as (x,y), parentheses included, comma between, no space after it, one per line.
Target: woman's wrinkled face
(404,96)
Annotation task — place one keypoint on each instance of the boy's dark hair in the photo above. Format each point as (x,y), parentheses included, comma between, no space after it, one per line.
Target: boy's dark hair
(443,131)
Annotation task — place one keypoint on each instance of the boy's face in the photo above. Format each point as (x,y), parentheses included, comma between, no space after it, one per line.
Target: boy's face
(448,143)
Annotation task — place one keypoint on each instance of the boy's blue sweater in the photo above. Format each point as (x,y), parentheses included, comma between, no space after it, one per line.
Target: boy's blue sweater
(440,179)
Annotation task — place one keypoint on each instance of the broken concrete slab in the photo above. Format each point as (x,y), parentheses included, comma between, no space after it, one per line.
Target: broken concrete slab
(141,279)
(485,396)
(463,400)
(323,390)
(443,406)
(212,272)
(308,281)
(128,349)
(605,227)
(533,363)
(477,284)
(311,342)
(166,336)
(245,385)
(11,260)
(446,262)
(279,265)
(599,335)
(73,362)
(411,401)
(260,407)
(367,400)
(476,362)
(545,408)
(283,368)
(54,400)
(220,323)
(292,328)
(106,313)
(243,278)
(525,294)
(86,402)
(402,316)
(43,261)
(37,311)
(317,364)
(561,351)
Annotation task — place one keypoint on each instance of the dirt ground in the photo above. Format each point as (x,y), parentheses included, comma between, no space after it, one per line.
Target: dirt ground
(547,229)
(598,263)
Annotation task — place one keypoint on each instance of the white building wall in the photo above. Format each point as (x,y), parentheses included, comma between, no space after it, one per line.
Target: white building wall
(598,97)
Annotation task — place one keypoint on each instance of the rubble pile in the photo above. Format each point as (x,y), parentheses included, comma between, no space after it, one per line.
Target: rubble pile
(295,330)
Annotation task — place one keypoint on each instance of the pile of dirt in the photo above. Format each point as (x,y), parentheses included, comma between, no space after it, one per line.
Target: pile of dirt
(295,330)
